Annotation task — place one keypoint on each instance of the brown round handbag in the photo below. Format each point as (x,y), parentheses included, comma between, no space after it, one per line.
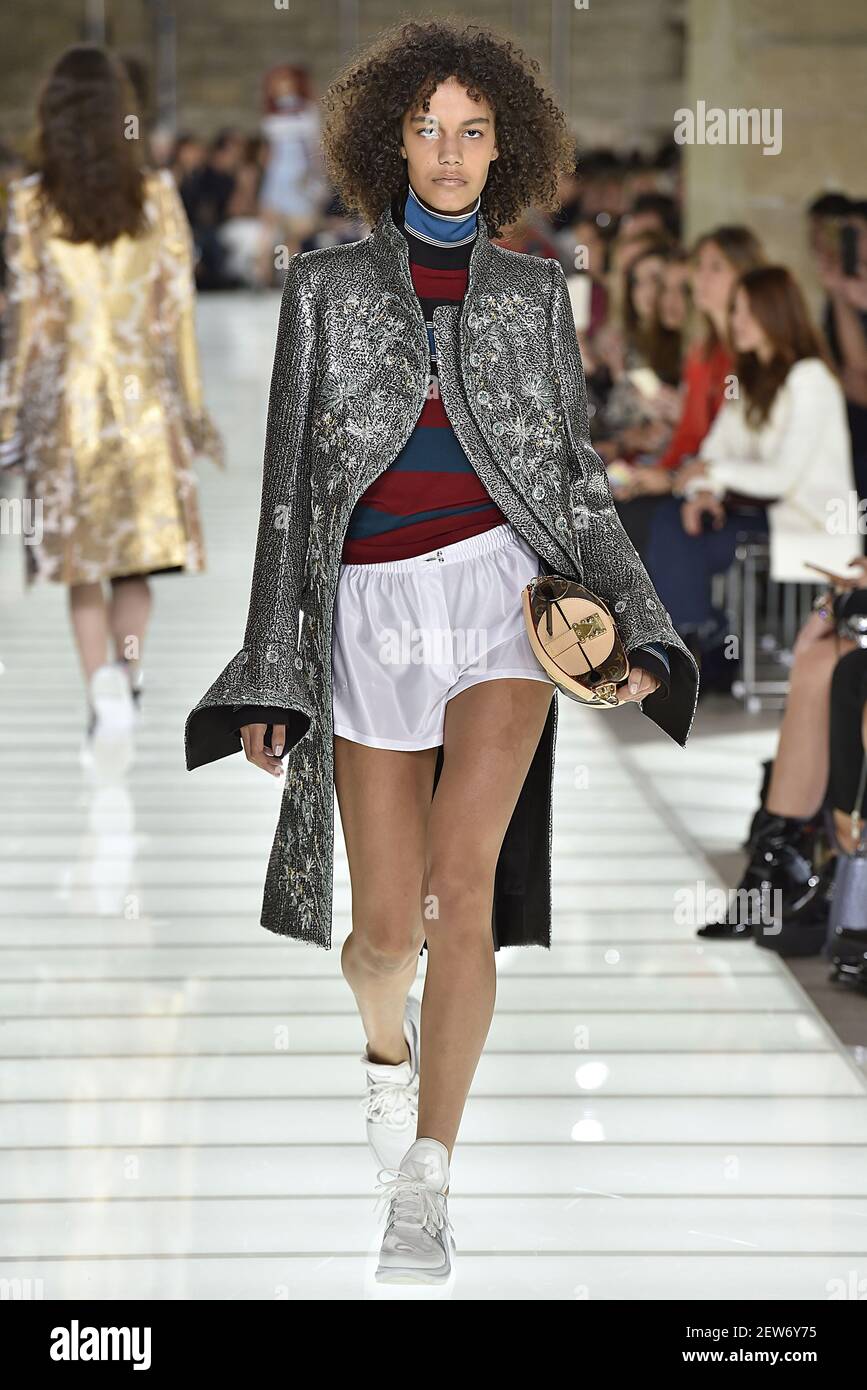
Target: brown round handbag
(575,639)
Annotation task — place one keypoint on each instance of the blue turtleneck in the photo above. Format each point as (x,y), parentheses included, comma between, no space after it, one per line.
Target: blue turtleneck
(442,229)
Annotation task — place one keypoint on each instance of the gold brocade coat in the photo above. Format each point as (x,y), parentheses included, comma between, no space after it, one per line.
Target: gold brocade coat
(100,392)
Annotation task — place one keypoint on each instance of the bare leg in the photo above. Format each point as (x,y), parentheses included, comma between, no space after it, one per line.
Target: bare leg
(800,773)
(492,731)
(88,615)
(384,797)
(130,611)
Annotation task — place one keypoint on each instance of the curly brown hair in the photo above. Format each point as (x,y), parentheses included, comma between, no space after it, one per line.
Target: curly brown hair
(399,70)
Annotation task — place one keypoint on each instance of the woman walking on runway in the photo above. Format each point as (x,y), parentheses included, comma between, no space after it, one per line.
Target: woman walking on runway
(100,398)
(427,447)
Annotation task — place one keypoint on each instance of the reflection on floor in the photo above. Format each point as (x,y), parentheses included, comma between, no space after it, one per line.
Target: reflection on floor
(652,1117)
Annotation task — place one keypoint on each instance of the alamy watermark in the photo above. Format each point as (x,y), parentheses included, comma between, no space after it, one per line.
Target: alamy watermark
(735,125)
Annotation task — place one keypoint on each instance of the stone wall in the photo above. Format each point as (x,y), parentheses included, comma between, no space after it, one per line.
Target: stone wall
(616,65)
(621,68)
(807,60)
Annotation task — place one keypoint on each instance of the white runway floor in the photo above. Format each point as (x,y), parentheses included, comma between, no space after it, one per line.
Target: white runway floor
(653,1117)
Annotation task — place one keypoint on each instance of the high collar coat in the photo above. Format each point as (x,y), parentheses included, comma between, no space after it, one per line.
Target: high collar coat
(349,381)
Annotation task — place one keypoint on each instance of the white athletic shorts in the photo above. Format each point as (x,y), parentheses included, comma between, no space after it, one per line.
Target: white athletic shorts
(410,634)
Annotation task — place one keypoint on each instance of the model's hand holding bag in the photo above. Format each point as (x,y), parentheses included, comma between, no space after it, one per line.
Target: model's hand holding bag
(575,639)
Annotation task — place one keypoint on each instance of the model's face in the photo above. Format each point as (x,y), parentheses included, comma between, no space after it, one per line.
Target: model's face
(747,334)
(449,148)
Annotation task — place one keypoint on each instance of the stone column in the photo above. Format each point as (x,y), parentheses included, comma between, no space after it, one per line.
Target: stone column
(809,62)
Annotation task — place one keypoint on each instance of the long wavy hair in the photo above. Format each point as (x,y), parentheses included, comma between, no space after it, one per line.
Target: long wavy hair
(660,346)
(401,69)
(92,173)
(780,310)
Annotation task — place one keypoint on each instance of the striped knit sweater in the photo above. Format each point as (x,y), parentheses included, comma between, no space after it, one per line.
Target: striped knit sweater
(430,495)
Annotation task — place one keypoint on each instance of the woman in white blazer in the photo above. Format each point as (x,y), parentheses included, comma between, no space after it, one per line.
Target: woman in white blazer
(777,459)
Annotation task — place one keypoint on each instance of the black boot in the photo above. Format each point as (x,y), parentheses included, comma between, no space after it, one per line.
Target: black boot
(767,768)
(799,865)
(781,890)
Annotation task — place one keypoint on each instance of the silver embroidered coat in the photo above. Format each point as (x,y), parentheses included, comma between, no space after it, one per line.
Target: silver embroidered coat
(349,381)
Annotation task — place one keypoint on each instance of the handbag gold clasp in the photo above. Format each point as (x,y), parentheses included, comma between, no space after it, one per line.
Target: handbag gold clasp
(591,626)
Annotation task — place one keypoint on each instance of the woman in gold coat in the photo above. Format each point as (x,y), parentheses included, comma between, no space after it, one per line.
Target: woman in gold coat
(100,396)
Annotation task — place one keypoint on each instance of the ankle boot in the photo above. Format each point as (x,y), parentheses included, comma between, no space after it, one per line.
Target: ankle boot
(780,883)
(767,768)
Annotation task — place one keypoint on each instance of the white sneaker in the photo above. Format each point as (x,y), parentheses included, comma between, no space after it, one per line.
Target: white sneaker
(108,744)
(418,1244)
(390,1102)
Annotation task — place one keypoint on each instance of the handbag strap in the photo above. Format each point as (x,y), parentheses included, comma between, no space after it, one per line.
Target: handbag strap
(593,671)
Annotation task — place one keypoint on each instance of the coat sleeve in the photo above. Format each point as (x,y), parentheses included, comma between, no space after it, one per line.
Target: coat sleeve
(611,566)
(268,670)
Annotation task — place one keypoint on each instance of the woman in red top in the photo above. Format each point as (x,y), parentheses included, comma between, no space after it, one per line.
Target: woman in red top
(719,257)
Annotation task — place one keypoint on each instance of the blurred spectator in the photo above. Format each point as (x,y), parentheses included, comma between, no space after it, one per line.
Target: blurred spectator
(569,193)
(825,217)
(775,457)
(652,212)
(718,257)
(675,295)
(530,234)
(583,251)
(602,177)
(643,359)
(838,238)
(240,234)
(207,191)
(818,759)
(188,155)
(293,187)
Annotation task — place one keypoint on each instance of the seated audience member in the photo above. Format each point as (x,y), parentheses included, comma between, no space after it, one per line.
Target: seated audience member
(717,259)
(530,234)
(651,390)
(776,456)
(841,263)
(240,233)
(615,348)
(206,192)
(187,156)
(583,250)
(656,213)
(786,842)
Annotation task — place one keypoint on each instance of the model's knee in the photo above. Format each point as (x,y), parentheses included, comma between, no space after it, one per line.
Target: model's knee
(385,944)
(458,895)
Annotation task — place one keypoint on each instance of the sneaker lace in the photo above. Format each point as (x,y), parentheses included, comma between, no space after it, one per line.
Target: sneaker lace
(392,1103)
(412,1202)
